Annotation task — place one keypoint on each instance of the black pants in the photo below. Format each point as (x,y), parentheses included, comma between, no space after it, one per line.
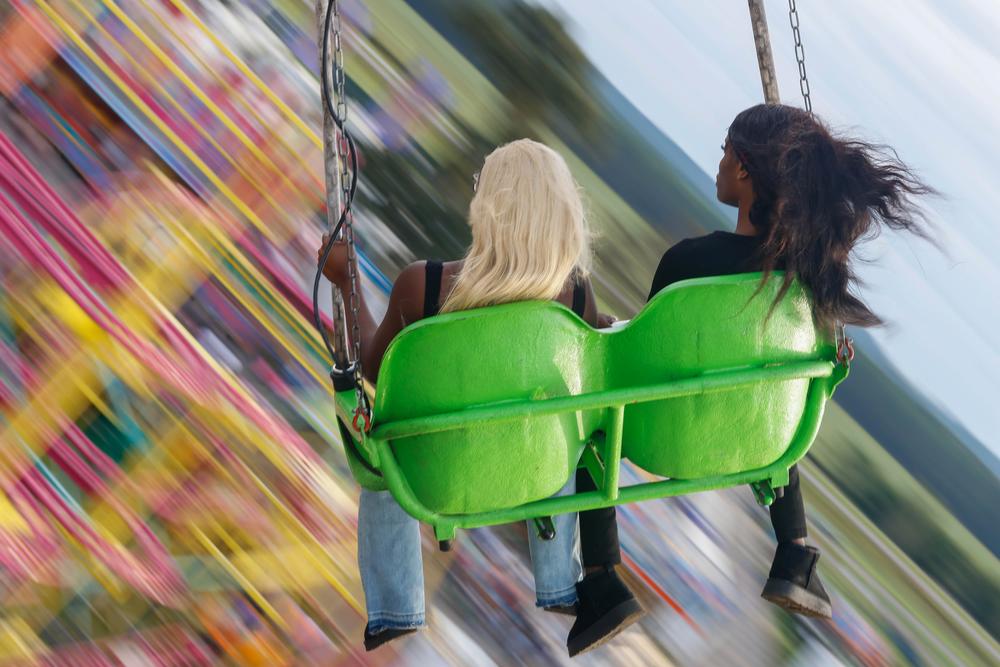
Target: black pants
(599,528)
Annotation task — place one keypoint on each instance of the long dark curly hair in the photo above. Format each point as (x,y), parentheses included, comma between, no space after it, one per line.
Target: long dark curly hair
(815,196)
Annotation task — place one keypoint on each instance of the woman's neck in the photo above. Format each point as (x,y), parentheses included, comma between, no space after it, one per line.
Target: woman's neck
(743,225)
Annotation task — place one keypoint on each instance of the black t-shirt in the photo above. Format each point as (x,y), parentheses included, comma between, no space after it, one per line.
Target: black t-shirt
(717,254)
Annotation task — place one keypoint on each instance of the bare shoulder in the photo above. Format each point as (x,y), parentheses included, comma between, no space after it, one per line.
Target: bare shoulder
(410,275)
(407,299)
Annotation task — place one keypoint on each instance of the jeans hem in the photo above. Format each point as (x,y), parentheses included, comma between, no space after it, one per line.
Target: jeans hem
(380,622)
(561,599)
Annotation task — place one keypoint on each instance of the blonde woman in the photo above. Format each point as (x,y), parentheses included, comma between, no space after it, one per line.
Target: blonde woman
(529,242)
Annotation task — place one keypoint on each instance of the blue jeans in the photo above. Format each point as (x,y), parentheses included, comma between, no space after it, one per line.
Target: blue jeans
(392,572)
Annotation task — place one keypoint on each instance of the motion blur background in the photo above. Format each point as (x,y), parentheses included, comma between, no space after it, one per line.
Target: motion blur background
(172,490)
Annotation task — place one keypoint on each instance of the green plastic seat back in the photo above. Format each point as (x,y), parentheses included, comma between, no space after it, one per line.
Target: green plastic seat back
(701,326)
(459,360)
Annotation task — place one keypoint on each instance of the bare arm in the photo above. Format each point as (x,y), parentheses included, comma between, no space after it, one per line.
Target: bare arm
(591,315)
(405,307)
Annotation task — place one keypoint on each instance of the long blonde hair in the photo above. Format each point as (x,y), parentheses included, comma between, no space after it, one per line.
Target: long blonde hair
(529,230)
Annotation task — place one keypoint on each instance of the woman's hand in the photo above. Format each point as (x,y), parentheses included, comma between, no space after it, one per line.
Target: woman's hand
(336,269)
(605,320)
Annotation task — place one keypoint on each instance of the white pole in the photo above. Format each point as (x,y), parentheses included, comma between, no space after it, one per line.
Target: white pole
(762,42)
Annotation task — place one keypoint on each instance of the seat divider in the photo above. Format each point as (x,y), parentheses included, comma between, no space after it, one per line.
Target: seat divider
(613,451)
(592,461)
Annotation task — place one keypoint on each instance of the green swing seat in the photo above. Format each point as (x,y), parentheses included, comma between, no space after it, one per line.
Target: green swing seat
(481,416)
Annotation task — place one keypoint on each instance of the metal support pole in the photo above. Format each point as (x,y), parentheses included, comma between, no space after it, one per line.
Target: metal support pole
(762,42)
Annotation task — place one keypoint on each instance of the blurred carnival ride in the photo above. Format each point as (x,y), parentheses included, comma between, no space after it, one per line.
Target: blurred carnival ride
(156,504)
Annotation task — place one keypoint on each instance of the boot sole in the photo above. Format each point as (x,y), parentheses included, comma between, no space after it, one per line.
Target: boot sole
(606,628)
(796,599)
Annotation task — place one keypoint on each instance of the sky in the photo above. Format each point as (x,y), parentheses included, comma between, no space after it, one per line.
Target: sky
(920,75)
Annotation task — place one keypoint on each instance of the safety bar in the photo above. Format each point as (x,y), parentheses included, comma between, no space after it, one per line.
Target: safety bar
(508,410)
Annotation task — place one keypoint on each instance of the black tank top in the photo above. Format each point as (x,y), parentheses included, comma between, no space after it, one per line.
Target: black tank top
(432,290)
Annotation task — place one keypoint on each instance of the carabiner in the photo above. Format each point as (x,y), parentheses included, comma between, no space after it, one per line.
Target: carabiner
(361,412)
(845,353)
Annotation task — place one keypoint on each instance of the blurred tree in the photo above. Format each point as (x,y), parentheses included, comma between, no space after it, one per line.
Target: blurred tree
(528,54)
(424,202)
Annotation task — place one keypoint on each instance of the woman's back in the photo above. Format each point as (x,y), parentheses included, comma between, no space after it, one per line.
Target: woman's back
(716,254)
(440,277)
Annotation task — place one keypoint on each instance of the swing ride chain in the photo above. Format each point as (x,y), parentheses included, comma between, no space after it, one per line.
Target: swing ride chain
(800,54)
(339,77)
(343,147)
(843,343)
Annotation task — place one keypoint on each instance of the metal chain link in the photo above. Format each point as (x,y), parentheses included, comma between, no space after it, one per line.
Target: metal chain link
(339,77)
(843,343)
(800,54)
(342,148)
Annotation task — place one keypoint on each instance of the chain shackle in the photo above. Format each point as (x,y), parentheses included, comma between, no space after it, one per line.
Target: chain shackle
(844,345)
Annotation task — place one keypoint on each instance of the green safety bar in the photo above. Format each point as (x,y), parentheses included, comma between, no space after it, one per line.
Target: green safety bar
(602,457)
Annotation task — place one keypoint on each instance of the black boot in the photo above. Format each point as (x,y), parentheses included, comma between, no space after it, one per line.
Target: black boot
(606,608)
(372,642)
(794,584)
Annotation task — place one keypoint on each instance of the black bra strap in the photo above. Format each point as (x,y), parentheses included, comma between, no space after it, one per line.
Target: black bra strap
(432,287)
(579,298)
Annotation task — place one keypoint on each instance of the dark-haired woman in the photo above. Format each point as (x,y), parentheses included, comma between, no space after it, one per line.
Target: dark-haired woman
(805,198)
